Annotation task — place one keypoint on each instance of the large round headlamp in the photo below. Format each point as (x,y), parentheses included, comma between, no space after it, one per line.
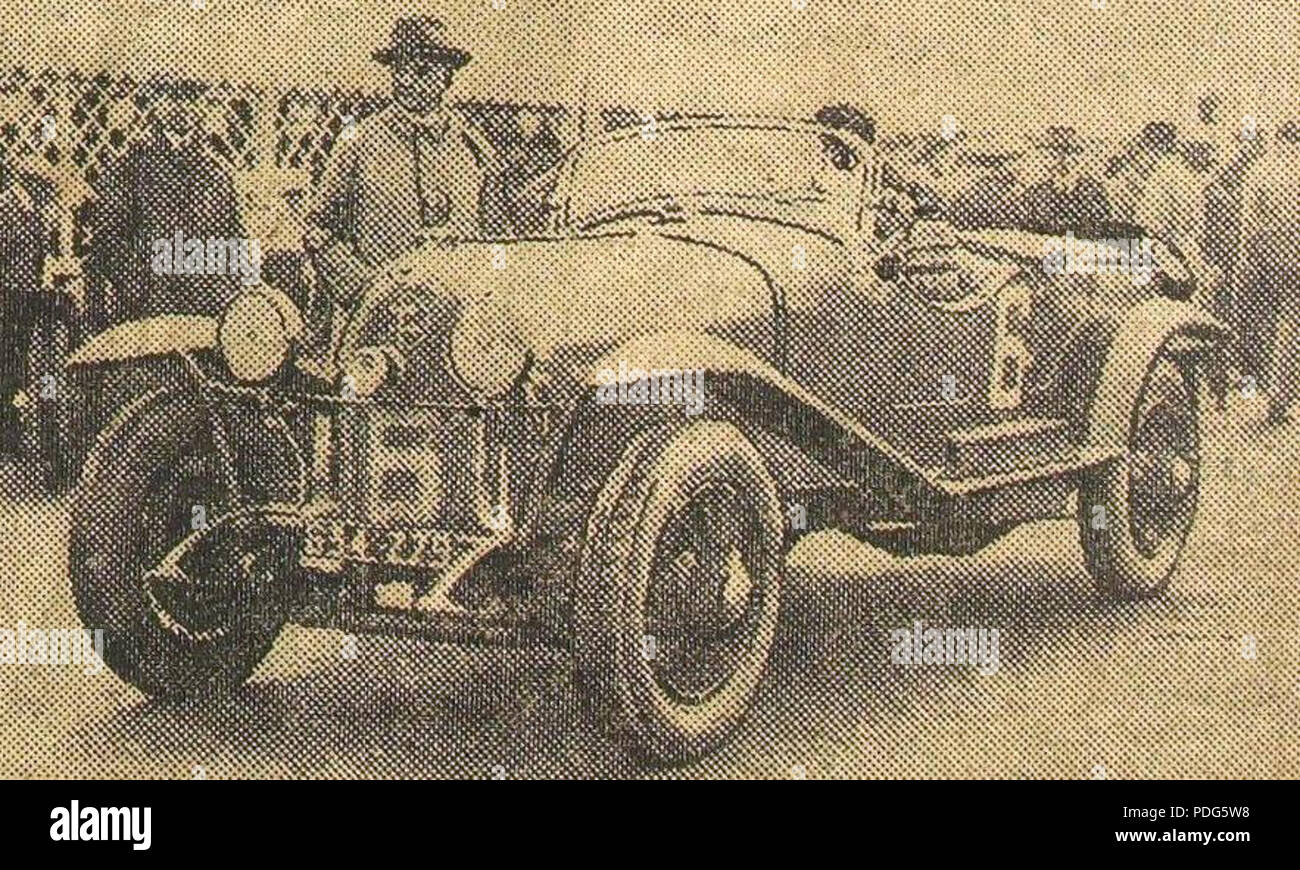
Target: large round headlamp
(256,333)
(486,352)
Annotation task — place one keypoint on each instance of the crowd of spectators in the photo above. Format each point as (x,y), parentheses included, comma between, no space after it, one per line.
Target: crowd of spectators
(1223,195)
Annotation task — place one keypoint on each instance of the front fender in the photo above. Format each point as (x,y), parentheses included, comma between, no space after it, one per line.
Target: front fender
(682,351)
(149,337)
(1142,334)
(261,458)
(779,401)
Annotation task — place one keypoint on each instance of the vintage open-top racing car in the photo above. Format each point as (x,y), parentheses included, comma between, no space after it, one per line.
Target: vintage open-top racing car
(606,437)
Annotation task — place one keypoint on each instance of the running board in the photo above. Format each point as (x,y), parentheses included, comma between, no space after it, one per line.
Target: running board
(1082,460)
(1007,446)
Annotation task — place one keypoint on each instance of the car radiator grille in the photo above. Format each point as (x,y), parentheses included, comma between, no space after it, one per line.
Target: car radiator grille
(412,466)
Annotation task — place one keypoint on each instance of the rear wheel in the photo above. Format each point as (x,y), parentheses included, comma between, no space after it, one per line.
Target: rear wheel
(679,590)
(1135,514)
(149,485)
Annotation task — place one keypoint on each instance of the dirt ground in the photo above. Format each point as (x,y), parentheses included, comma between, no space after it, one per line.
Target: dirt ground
(1085,688)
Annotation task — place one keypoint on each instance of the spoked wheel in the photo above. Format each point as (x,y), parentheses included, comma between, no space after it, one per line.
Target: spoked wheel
(222,584)
(703,608)
(170,634)
(679,590)
(1136,514)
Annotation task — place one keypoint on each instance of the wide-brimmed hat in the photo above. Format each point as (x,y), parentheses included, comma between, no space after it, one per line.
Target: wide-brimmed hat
(422,39)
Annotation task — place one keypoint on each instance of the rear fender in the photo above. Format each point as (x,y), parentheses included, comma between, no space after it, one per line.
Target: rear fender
(1154,326)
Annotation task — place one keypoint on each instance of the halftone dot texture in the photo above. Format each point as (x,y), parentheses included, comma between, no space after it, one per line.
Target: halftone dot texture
(983,106)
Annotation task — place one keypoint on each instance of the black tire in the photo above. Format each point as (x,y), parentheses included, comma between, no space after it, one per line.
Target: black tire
(643,619)
(133,505)
(1135,514)
(47,431)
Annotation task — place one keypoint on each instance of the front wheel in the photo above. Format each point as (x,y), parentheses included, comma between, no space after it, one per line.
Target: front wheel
(1135,514)
(151,482)
(679,590)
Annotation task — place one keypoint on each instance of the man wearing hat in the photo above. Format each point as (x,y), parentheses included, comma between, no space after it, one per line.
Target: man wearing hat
(1130,170)
(1156,185)
(1067,199)
(412,168)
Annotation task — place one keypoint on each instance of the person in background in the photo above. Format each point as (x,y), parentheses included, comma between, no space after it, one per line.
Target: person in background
(1208,128)
(930,166)
(994,198)
(413,168)
(1222,248)
(533,150)
(297,135)
(167,185)
(26,223)
(1270,259)
(1156,186)
(1128,172)
(1068,198)
(1233,152)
